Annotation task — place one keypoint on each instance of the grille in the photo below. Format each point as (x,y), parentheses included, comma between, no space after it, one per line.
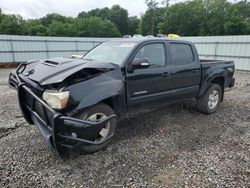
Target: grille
(28,99)
(40,111)
(36,106)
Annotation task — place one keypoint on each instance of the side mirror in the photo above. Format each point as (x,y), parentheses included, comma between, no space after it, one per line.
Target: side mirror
(140,63)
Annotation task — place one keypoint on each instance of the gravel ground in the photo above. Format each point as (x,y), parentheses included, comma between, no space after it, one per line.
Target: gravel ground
(4,74)
(169,147)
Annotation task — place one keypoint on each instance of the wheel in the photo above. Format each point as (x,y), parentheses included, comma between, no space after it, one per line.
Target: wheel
(211,100)
(95,114)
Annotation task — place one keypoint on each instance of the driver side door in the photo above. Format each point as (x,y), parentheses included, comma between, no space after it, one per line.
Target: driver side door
(149,85)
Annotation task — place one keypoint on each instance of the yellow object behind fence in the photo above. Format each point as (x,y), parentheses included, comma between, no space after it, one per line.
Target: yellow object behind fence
(173,35)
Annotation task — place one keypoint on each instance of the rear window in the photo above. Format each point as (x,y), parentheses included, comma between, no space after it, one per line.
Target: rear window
(181,54)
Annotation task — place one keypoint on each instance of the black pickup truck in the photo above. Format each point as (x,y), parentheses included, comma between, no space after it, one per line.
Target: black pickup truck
(76,103)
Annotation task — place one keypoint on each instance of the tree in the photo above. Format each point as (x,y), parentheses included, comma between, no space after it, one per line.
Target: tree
(149,22)
(35,28)
(96,27)
(215,16)
(183,18)
(119,16)
(11,24)
(51,18)
(206,17)
(62,29)
(133,25)
(102,13)
(237,19)
(193,17)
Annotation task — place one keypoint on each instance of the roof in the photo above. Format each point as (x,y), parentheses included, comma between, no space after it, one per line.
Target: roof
(145,39)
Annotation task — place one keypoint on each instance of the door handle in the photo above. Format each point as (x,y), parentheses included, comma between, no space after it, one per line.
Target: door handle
(195,70)
(165,74)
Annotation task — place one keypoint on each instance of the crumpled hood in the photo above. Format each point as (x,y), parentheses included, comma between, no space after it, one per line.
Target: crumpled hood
(56,70)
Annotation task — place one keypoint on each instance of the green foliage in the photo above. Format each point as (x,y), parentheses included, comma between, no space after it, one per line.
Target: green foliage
(62,29)
(151,18)
(51,18)
(119,17)
(133,25)
(206,17)
(96,27)
(237,19)
(150,21)
(11,24)
(183,18)
(216,10)
(191,18)
(117,14)
(102,13)
(35,28)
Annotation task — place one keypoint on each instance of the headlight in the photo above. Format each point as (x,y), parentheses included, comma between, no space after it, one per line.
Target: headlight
(56,99)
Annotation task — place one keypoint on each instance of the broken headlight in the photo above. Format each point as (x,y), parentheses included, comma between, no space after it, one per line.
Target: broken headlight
(56,99)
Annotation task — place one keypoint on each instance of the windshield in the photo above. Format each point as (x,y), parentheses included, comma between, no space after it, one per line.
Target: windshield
(113,52)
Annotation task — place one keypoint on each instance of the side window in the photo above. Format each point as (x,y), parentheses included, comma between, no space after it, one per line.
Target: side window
(181,54)
(155,53)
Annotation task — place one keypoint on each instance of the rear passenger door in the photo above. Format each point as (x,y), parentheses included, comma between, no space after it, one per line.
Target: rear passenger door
(185,71)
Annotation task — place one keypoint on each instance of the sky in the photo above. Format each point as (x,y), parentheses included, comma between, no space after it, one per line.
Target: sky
(39,8)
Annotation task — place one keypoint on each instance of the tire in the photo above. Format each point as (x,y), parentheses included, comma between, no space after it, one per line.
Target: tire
(205,104)
(99,109)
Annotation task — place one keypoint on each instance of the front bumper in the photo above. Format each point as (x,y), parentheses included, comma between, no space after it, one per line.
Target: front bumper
(55,127)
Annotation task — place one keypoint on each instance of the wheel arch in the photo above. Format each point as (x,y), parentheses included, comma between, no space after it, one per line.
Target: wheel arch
(116,103)
(220,80)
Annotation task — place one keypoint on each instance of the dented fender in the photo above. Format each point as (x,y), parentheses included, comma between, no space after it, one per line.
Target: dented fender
(109,85)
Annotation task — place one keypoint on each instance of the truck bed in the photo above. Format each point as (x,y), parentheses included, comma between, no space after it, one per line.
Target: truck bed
(211,65)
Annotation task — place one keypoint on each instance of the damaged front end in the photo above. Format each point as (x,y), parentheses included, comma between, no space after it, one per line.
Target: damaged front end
(57,128)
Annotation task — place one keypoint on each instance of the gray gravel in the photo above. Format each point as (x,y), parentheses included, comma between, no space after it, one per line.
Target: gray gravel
(4,74)
(169,147)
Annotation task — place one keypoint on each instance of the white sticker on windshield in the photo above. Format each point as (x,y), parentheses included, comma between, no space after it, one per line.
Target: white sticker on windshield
(127,45)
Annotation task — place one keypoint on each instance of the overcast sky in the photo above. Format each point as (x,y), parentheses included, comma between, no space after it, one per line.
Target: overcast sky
(39,8)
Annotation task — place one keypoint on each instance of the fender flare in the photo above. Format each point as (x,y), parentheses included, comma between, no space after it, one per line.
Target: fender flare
(219,73)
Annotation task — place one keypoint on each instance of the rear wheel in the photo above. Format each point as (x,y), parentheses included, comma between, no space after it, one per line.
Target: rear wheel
(96,114)
(211,100)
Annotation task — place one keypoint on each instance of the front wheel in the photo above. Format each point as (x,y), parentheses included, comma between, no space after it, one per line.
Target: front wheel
(95,114)
(211,100)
